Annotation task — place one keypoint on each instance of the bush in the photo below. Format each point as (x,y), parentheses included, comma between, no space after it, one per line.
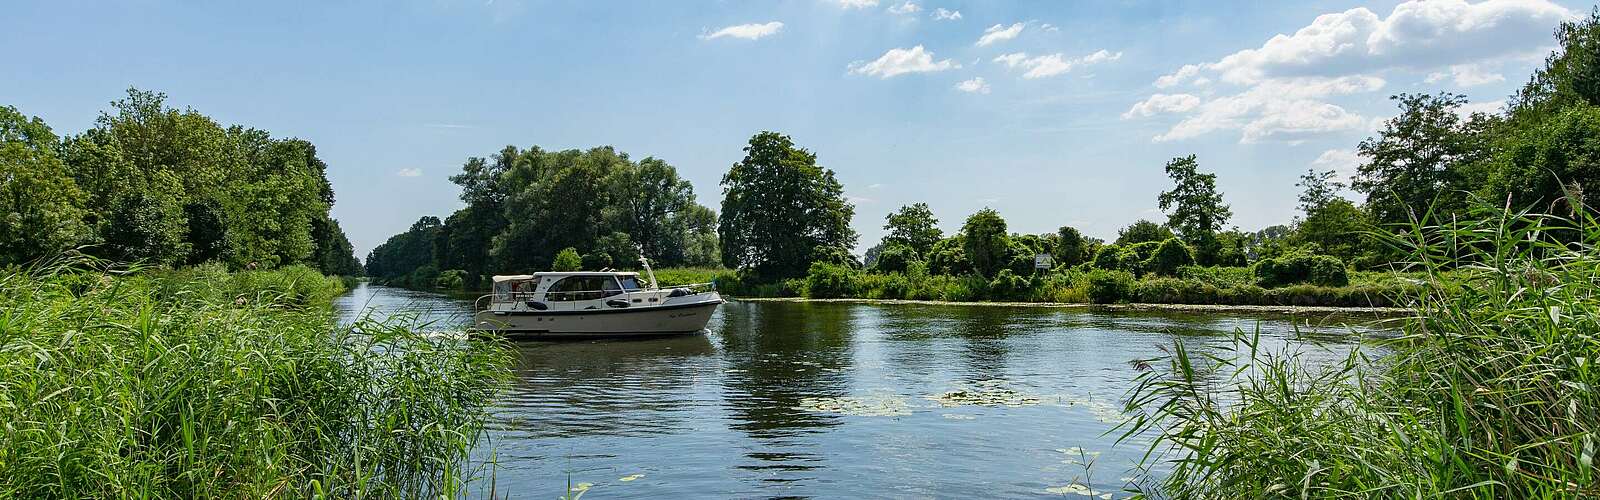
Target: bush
(894,259)
(452,279)
(829,281)
(1169,257)
(1110,286)
(1222,277)
(1008,285)
(1107,256)
(1324,270)
(595,261)
(567,260)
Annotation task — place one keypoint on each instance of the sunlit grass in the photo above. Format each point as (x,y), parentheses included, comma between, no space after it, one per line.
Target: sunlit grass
(119,383)
(1489,393)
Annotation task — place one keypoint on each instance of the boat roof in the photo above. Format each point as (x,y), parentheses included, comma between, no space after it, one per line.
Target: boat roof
(526,277)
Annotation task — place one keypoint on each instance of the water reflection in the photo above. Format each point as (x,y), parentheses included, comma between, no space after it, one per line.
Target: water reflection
(837,400)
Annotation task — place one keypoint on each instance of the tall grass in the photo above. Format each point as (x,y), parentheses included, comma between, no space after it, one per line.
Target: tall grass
(118,383)
(1490,391)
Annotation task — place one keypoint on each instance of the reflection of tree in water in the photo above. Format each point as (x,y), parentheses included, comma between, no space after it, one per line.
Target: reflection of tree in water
(605,387)
(778,354)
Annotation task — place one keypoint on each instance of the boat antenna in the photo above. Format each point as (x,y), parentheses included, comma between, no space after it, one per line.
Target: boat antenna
(647,271)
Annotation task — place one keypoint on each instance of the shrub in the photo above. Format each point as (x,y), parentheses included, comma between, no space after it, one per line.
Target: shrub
(1324,270)
(1008,285)
(1169,257)
(827,281)
(595,261)
(1110,286)
(1106,257)
(567,260)
(894,259)
(452,279)
(1222,277)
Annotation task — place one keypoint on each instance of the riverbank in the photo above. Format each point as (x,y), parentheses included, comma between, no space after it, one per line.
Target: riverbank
(119,382)
(1211,308)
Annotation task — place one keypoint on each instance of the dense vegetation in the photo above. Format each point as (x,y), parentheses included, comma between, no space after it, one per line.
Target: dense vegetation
(524,207)
(153,184)
(197,383)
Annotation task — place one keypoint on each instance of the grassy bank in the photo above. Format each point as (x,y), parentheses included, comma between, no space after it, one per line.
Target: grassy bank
(1490,393)
(119,383)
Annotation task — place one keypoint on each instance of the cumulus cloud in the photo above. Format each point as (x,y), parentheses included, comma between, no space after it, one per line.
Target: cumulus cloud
(897,62)
(908,7)
(1283,87)
(974,86)
(943,14)
(1049,27)
(1342,162)
(1052,64)
(1467,75)
(409,172)
(1162,103)
(999,33)
(857,4)
(745,31)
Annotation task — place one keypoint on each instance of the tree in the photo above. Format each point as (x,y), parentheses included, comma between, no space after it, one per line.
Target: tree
(567,260)
(1570,76)
(41,208)
(1169,256)
(406,252)
(560,202)
(780,211)
(1071,247)
(1317,189)
(1195,210)
(1141,231)
(1336,228)
(649,195)
(1420,158)
(913,227)
(985,243)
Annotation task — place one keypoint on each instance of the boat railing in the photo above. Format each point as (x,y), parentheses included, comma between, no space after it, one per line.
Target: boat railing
(573,295)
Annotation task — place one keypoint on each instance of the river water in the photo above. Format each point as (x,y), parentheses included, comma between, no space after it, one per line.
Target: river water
(839,400)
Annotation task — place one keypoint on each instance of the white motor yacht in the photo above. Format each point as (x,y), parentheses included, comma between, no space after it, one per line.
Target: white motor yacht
(593,304)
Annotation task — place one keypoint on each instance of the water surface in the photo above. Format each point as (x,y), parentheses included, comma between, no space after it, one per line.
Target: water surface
(837,400)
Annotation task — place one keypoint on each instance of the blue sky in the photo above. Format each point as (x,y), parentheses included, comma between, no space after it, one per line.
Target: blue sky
(1053,113)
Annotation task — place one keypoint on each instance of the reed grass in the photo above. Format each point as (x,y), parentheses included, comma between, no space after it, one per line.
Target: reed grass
(1489,391)
(124,383)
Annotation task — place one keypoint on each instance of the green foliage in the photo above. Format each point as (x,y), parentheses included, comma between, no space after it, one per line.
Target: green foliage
(196,383)
(567,260)
(913,227)
(1337,228)
(1169,257)
(1570,76)
(1141,231)
(1323,270)
(405,252)
(1421,158)
(1485,394)
(949,257)
(450,279)
(985,243)
(1110,286)
(595,261)
(781,239)
(894,259)
(829,281)
(1136,258)
(41,208)
(1108,257)
(1194,206)
(1008,285)
(1071,248)
(1549,165)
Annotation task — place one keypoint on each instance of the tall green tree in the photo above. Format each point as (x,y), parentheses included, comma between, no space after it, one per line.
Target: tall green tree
(41,208)
(561,202)
(781,211)
(649,198)
(985,242)
(1071,248)
(1317,189)
(1194,206)
(1570,76)
(1141,231)
(1422,158)
(913,227)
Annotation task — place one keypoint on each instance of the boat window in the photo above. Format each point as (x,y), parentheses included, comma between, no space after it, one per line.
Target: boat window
(610,286)
(631,283)
(582,288)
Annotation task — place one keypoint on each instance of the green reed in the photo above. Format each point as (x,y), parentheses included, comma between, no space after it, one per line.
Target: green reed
(1489,392)
(121,383)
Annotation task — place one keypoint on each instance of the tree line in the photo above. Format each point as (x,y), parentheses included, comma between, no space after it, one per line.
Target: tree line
(154,184)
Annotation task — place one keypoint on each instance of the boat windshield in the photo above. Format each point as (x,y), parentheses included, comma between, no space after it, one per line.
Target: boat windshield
(630,283)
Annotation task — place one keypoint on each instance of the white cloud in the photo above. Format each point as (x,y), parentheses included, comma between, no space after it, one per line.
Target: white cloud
(409,172)
(1467,75)
(857,4)
(745,31)
(1342,161)
(1488,107)
(999,33)
(974,86)
(1052,64)
(1286,83)
(1049,27)
(943,14)
(1162,103)
(897,62)
(908,7)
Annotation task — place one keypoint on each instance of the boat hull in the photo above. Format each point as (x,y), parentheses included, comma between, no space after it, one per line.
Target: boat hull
(675,319)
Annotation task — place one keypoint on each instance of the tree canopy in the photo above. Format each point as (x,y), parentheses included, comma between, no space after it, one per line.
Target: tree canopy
(781,211)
